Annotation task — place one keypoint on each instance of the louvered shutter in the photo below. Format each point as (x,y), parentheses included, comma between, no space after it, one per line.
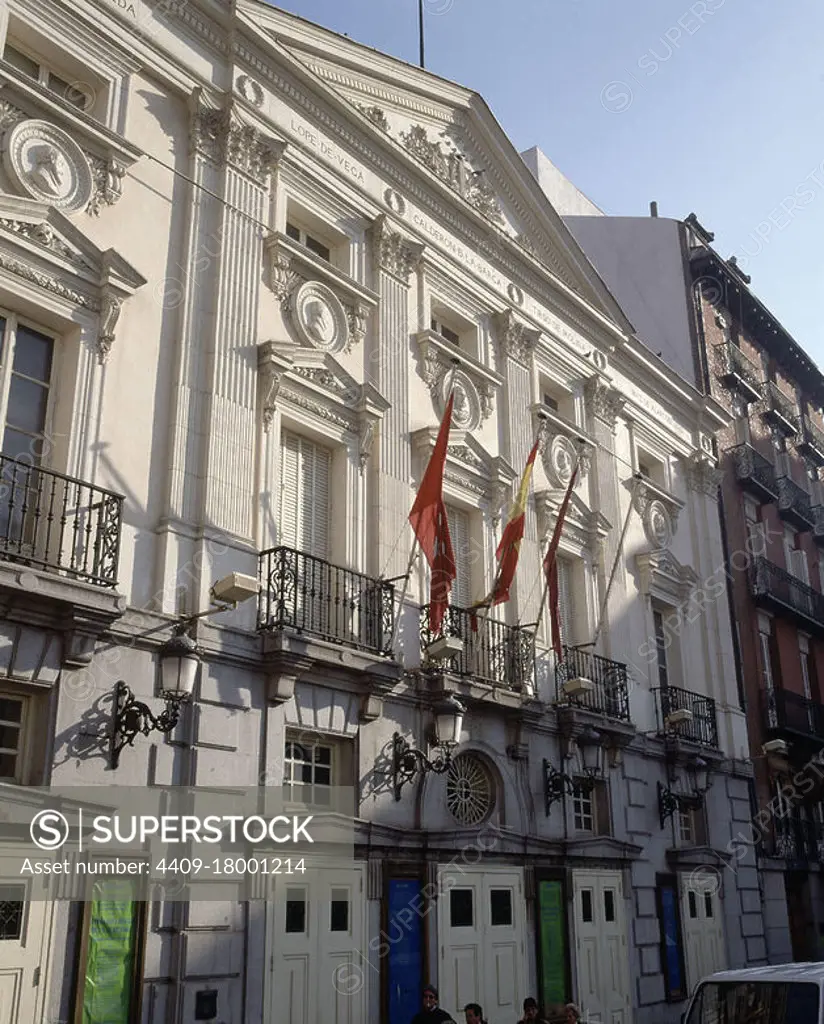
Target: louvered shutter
(566,599)
(304,510)
(459,532)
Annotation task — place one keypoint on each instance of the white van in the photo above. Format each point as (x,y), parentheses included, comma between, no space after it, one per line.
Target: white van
(784,994)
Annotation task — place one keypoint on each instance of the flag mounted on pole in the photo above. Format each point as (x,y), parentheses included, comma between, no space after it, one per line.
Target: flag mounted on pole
(428,519)
(551,568)
(510,544)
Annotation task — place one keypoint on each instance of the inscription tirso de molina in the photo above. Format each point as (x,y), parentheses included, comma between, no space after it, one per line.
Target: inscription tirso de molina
(310,137)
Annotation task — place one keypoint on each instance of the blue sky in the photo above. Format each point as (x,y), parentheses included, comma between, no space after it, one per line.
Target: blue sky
(711,106)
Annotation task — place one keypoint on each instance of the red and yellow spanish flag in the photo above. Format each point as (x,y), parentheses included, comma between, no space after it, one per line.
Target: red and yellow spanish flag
(428,519)
(551,569)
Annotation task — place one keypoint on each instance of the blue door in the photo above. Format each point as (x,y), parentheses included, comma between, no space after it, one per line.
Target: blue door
(404,936)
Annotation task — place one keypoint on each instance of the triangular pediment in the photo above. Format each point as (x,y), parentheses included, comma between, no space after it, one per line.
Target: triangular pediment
(470,469)
(447,132)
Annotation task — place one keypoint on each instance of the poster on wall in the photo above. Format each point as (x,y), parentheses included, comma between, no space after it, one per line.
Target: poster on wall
(111,951)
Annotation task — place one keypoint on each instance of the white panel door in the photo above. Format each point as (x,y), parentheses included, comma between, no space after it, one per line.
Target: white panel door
(703,933)
(316,935)
(481,925)
(602,954)
(25,928)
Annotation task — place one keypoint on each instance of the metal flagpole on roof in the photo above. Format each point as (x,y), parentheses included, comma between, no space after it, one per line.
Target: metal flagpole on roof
(420,30)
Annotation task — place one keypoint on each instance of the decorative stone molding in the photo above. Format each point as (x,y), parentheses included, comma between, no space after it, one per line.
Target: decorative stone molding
(44,235)
(473,385)
(662,575)
(219,135)
(584,528)
(703,475)
(391,251)
(515,339)
(452,168)
(358,316)
(559,457)
(561,444)
(604,401)
(250,90)
(319,317)
(282,278)
(376,116)
(110,306)
(271,369)
(468,465)
(366,442)
(107,183)
(47,164)
(659,512)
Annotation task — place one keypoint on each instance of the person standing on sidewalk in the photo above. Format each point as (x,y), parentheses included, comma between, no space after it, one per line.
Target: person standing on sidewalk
(431,1012)
(531,1015)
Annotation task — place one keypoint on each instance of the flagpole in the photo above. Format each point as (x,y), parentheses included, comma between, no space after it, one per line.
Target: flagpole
(415,544)
(602,613)
(546,580)
(420,31)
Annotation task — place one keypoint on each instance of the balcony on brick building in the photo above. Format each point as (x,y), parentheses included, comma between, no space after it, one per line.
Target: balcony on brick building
(686,715)
(780,410)
(754,472)
(796,840)
(794,504)
(818,523)
(811,442)
(737,372)
(779,590)
(792,716)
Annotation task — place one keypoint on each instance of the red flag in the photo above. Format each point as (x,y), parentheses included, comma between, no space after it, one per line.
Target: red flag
(510,543)
(428,519)
(551,569)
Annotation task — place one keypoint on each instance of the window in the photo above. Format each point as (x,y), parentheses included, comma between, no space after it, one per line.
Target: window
(566,600)
(660,648)
(26,367)
(651,468)
(766,651)
(807,669)
(295,911)
(453,328)
(459,531)
(12,907)
(557,398)
(308,772)
(339,911)
(691,829)
(453,337)
(590,807)
(74,92)
(312,243)
(12,723)
(550,402)
(586,906)
(461,908)
(685,830)
(500,908)
(304,510)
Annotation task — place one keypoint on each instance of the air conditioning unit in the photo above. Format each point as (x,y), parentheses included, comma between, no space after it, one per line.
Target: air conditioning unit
(578,686)
(777,747)
(445,647)
(681,716)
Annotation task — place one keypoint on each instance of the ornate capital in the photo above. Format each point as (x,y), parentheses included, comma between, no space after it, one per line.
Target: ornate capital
(221,137)
(515,339)
(392,252)
(703,475)
(605,401)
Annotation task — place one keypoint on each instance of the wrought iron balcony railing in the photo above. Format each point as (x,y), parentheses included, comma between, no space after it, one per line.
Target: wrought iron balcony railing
(792,712)
(607,693)
(309,595)
(738,371)
(687,715)
(797,839)
(57,523)
(493,652)
(818,522)
(770,583)
(780,409)
(794,503)
(754,472)
(811,442)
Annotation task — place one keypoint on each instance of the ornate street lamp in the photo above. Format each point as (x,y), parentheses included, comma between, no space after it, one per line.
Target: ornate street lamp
(671,801)
(557,783)
(407,762)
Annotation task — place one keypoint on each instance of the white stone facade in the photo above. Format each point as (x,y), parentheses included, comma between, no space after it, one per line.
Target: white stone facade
(254,249)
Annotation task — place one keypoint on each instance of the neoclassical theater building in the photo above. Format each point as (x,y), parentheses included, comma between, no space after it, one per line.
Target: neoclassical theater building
(239,257)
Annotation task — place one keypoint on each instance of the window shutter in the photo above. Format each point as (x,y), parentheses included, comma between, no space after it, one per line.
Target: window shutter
(459,532)
(304,510)
(566,608)
(801,569)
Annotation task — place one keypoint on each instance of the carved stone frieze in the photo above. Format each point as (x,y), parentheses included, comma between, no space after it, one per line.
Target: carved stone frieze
(559,457)
(343,388)
(358,315)
(515,339)
(43,234)
(376,116)
(662,575)
(47,281)
(604,401)
(392,252)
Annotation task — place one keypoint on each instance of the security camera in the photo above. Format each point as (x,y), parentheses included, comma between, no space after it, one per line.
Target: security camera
(234,588)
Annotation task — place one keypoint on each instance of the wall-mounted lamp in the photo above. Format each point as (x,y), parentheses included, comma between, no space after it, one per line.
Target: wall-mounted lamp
(408,762)
(698,780)
(179,661)
(556,783)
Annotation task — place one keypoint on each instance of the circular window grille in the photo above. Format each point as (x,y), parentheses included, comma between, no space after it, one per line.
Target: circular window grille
(469,792)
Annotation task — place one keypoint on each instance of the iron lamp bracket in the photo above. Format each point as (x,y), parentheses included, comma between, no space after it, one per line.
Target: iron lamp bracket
(132,718)
(407,763)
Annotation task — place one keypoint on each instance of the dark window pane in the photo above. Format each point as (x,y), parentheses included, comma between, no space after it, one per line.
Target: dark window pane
(293,751)
(305,772)
(9,737)
(18,445)
(11,911)
(323,776)
(451,336)
(609,904)
(66,91)
(460,908)
(323,755)
(318,248)
(293,232)
(339,916)
(8,766)
(27,405)
(586,906)
(21,62)
(692,903)
(500,905)
(10,710)
(708,905)
(2,337)
(295,912)
(33,354)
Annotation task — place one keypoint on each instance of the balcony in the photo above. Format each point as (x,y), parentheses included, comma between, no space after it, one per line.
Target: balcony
(754,472)
(779,409)
(607,692)
(818,523)
(797,840)
(779,589)
(308,596)
(493,652)
(792,714)
(794,504)
(58,524)
(811,442)
(687,715)
(737,372)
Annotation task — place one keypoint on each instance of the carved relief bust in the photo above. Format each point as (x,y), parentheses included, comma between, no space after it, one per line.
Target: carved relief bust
(658,525)
(48,165)
(319,317)
(466,409)
(559,459)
